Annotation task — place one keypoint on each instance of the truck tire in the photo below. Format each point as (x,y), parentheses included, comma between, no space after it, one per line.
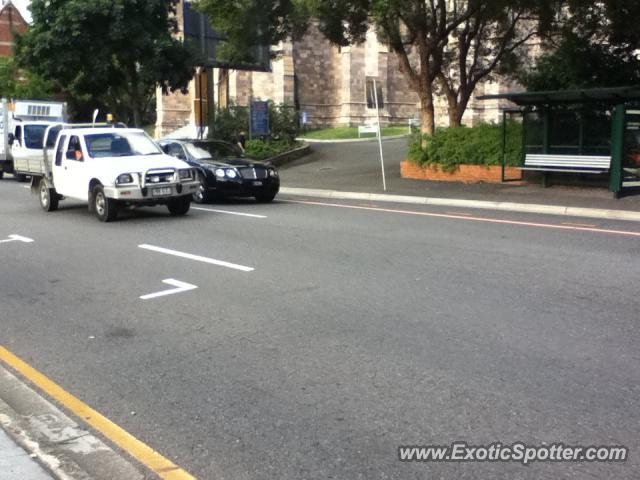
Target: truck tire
(1,174)
(179,206)
(106,209)
(20,177)
(48,197)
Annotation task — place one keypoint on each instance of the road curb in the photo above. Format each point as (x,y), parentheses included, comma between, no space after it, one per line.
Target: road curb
(599,213)
(61,445)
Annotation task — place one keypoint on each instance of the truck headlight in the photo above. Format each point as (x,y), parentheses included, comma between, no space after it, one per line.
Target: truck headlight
(124,179)
(186,174)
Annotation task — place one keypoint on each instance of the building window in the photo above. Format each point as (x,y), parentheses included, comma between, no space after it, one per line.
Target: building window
(371,96)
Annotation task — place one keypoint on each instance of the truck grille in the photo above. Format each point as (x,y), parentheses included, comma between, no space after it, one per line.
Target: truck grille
(251,173)
(156,177)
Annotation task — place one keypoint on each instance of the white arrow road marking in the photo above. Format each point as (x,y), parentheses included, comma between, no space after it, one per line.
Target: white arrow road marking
(180,287)
(18,238)
(197,258)
(240,214)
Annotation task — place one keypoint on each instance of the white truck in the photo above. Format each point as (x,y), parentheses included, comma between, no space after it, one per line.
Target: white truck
(22,128)
(109,168)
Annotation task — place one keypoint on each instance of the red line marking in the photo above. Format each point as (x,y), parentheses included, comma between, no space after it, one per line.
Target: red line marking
(471,219)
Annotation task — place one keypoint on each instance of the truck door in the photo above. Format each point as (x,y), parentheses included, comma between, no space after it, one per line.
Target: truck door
(74,167)
(56,168)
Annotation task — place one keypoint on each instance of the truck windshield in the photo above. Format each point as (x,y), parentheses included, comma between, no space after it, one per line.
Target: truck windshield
(34,135)
(119,144)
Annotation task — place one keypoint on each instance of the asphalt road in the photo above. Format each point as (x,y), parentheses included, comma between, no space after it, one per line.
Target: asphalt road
(358,330)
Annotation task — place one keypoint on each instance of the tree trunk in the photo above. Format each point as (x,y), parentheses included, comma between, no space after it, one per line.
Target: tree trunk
(454,112)
(427,112)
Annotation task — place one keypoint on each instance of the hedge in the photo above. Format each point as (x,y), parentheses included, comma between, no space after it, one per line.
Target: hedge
(478,145)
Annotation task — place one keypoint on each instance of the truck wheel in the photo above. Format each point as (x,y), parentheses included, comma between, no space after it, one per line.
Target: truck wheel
(1,174)
(106,209)
(20,177)
(179,206)
(48,197)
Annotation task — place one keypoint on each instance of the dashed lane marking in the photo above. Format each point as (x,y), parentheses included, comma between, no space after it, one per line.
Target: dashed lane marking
(228,212)
(196,258)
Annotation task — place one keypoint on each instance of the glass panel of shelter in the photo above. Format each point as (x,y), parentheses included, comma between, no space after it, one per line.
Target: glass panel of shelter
(631,149)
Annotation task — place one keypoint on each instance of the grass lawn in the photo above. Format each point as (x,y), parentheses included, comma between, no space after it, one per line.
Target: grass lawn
(344,133)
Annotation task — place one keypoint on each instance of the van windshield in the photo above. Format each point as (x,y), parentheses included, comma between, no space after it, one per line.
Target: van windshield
(120,144)
(34,135)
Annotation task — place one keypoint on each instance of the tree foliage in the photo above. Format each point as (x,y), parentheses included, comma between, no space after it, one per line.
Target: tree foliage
(492,41)
(113,51)
(16,83)
(596,45)
(247,24)
(579,63)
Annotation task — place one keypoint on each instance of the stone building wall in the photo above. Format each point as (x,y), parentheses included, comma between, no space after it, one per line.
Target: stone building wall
(175,110)
(330,84)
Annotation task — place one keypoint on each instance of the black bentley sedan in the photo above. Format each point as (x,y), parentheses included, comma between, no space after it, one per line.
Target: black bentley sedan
(223,170)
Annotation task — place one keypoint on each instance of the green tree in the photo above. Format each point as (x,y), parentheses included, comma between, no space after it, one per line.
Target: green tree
(113,51)
(248,25)
(578,62)
(492,41)
(16,83)
(595,45)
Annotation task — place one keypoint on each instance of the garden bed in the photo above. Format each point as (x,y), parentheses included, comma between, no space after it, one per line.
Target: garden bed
(463,173)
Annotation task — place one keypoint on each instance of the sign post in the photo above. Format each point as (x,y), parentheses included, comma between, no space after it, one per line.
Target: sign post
(375,96)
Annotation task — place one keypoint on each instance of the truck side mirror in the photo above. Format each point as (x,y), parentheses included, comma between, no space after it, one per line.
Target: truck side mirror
(12,138)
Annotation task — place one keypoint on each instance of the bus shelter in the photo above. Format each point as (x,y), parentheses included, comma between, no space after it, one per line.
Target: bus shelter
(575,131)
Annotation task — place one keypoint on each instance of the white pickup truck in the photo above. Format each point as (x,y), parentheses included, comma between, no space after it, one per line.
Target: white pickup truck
(110,168)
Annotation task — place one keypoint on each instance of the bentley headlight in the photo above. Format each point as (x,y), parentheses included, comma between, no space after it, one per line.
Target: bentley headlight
(219,172)
(273,172)
(231,173)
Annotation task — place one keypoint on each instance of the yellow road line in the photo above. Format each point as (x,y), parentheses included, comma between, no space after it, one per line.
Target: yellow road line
(155,462)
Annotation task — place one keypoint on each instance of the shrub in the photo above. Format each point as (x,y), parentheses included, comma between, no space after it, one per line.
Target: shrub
(478,145)
(263,149)
(230,121)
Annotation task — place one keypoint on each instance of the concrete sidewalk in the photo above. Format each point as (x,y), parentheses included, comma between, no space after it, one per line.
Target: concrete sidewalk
(354,168)
(16,464)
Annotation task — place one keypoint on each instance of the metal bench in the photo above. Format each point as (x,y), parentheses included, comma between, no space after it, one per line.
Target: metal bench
(566,164)
(367,129)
